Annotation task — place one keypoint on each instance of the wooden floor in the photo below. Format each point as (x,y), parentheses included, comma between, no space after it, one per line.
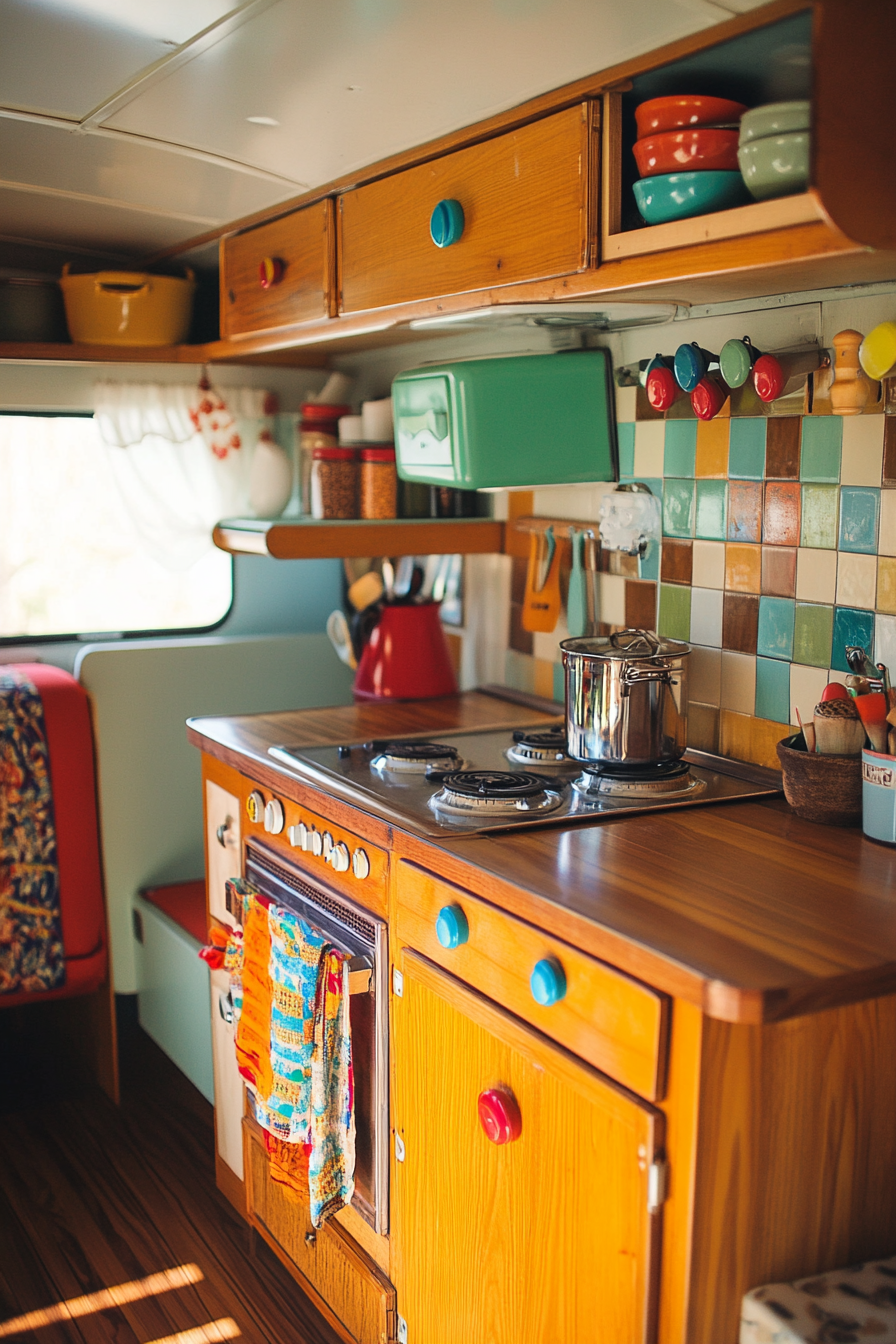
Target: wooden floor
(92,1197)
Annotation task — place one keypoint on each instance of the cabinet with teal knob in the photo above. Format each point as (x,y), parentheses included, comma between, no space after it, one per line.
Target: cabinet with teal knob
(547,981)
(452,928)
(446,224)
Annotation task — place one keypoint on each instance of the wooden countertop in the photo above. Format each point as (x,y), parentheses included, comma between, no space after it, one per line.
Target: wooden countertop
(740,907)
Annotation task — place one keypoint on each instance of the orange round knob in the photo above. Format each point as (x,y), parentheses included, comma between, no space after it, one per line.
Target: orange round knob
(270,272)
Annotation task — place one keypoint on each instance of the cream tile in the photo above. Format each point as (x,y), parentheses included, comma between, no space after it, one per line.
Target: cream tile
(863,450)
(650,437)
(612,599)
(816,575)
(738,690)
(885,642)
(626,402)
(706,618)
(569,501)
(806,687)
(705,675)
(887,537)
(856,579)
(547,647)
(709,564)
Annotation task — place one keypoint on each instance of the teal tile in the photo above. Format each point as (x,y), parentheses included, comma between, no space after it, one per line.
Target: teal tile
(852,625)
(675,611)
(772,690)
(746,449)
(625,435)
(712,499)
(775,638)
(649,562)
(559,683)
(820,509)
(680,455)
(820,445)
(678,508)
(859,510)
(813,632)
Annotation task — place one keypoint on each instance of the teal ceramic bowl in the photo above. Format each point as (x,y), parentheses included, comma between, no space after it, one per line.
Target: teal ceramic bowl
(683,195)
(776,166)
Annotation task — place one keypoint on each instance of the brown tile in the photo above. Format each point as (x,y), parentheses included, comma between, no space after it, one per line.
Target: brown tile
(703,728)
(677,560)
(520,504)
(518,567)
(520,639)
(740,622)
(743,568)
(782,447)
(643,408)
(889,477)
(744,510)
(712,447)
(781,524)
(779,571)
(640,604)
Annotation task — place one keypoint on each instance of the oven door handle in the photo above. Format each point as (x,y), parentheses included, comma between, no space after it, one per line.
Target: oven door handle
(360,975)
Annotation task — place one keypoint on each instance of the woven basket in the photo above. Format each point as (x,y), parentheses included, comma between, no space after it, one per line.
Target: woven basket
(826,789)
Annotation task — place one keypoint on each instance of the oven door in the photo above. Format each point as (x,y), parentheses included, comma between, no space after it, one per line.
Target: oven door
(362,937)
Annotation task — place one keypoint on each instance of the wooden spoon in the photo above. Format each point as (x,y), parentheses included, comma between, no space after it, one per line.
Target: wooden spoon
(838,729)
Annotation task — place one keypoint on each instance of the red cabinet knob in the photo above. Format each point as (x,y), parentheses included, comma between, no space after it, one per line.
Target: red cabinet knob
(499,1115)
(270,272)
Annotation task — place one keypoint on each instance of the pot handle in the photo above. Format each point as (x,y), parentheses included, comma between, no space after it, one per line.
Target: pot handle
(631,635)
(632,675)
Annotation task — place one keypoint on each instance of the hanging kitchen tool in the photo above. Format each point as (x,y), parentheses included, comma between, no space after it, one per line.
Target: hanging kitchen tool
(592,587)
(660,383)
(541,604)
(576,602)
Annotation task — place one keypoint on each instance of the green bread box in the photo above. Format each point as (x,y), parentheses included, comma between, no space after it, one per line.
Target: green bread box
(507,421)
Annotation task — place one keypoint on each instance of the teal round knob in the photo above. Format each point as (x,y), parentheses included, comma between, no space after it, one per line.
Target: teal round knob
(446,223)
(452,928)
(547,981)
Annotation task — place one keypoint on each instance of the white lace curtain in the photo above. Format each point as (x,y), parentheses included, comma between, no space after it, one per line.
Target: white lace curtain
(180,463)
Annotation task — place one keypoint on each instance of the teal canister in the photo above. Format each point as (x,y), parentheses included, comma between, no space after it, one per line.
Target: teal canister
(879,796)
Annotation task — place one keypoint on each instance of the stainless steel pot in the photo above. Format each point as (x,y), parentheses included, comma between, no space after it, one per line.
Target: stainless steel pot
(626,698)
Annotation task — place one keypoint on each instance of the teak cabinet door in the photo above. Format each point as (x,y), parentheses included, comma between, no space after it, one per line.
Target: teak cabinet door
(303,244)
(529,204)
(546,1239)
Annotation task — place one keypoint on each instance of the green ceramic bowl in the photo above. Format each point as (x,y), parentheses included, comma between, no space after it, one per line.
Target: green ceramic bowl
(776,166)
(775,119)
(683,195)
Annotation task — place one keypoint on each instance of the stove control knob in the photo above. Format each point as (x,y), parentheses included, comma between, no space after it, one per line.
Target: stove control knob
(452,928)
(274,819)
(338,858)
(255,806)
(316,841)
(327,844)
(294,835)
(360,864)
(547,981)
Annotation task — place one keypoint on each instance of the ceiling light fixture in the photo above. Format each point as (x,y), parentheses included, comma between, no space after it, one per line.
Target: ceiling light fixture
(263,121)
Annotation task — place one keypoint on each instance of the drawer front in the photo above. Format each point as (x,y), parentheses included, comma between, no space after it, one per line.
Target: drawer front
(304,245)
(529,206)
(349,1282)
(615,1023)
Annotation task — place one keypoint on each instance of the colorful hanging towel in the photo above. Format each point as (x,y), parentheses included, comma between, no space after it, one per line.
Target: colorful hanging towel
(331,1166)
(251,992)
(32,956)
(296,951)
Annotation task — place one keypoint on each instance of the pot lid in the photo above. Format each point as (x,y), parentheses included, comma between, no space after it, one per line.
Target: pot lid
(624,644)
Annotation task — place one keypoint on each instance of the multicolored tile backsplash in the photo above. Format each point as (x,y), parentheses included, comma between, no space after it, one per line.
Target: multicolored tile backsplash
(778,549)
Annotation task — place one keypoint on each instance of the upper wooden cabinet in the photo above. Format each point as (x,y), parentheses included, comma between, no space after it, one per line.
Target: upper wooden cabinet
(529,201)
(301,248)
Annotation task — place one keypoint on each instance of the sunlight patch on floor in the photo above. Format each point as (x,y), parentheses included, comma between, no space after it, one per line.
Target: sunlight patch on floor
(204,1334)
(120,1296)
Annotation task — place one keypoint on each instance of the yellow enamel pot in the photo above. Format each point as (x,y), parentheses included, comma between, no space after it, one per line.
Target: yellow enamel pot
(127,307)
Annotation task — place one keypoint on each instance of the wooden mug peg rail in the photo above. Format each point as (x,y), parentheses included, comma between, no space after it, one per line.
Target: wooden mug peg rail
(561,526)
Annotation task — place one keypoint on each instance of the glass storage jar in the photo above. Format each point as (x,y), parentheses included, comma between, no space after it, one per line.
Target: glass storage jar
(334,483)
(379,482)
(318,428)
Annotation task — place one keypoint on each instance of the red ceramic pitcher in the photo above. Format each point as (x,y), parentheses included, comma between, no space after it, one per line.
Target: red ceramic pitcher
(406,657)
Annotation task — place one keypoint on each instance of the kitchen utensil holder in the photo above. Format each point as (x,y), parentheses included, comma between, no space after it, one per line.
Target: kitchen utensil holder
(825,789)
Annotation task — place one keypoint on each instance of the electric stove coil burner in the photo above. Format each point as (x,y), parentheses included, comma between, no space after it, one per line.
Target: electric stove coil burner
(494,793)
(544,748)
(413,757)
(661,779)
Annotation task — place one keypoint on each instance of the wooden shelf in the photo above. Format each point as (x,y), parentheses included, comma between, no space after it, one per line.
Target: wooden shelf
(214,352)
(309,539)
(744,220)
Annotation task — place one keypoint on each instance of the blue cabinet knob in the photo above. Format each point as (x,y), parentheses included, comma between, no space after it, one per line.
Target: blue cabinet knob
(452,928)
(446,223)
(547,981)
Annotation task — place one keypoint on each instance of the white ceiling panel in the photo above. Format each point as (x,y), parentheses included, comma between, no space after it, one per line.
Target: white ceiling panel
(351,81)
(169,21)
(86,224)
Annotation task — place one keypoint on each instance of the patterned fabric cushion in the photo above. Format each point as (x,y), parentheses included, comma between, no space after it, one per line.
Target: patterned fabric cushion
(846,1306)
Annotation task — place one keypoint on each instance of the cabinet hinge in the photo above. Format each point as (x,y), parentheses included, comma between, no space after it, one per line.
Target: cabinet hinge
(402,1335)
(397,983)
(657,1181)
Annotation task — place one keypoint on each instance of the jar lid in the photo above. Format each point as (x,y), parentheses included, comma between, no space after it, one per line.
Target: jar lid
(378,454)
(333,454)
(319,410)
(624,644)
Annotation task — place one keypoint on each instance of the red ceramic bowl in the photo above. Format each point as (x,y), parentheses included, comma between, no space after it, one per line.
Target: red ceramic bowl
(675,112)
(699,147)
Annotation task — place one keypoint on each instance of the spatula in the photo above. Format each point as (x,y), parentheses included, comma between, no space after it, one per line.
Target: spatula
(541,605)
(576,602)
